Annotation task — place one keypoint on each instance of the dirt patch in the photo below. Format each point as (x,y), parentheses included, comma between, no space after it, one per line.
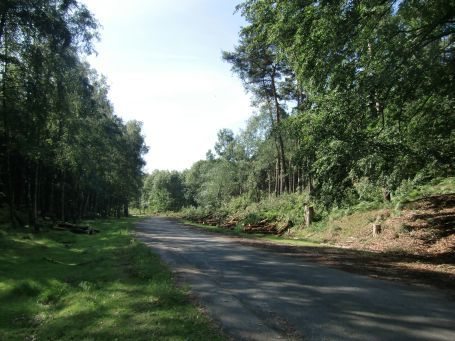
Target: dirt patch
(424,228)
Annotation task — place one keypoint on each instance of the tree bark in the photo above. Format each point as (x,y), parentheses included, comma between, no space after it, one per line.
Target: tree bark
(51,199)
(62,197)
(277,175)
(12,213)
(281,156)
(35,197)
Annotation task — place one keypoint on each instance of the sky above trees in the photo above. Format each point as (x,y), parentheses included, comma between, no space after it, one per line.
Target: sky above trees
(162,60)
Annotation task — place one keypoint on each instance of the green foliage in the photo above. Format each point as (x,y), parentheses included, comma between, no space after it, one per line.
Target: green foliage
(57,285)
(353,102)
(65,154)
(194,213)
(163,191)
(410,190)
(376,80)
(367,191)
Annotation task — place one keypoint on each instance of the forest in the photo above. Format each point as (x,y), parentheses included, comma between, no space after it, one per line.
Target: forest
(354,102)
(339,186)
(64,154)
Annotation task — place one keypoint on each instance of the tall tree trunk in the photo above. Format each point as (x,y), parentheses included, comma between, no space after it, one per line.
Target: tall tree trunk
(95,205)
(62,197)
(277,177)
(81,206)
(282,158)
(51,199)
(12,213)
(29,196)
(86,205)
(310,185)
(9,172)
(35,197)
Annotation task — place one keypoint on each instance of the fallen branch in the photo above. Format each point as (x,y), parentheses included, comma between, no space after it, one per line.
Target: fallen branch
(67,264)
(75,228)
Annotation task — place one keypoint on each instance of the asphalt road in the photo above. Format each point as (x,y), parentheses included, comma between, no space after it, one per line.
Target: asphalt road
(258,295)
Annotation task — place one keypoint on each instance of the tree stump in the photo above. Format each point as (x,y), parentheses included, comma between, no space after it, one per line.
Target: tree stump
(386,195)
(309,215)
(377,228)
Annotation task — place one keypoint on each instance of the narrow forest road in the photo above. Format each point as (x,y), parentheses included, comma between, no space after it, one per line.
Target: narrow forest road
(257,295)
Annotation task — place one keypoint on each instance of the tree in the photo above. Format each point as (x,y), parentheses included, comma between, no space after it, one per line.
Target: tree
(66,154)
(254,60)
(374,76)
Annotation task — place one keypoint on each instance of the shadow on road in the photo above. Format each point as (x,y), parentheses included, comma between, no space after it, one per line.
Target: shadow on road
(298,298)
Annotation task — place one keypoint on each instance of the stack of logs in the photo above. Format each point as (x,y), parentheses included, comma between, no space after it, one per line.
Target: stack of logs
(264,226)
(80,229)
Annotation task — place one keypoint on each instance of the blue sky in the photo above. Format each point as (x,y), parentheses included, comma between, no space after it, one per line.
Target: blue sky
(163,63)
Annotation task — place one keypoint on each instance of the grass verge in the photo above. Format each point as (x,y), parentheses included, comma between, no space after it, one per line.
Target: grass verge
(108,286)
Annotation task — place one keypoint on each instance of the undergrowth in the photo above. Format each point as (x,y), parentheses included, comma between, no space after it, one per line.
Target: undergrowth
(289,209)
(62,286)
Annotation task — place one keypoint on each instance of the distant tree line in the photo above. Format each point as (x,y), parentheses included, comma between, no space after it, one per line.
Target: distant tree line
(352,98)
(64,153)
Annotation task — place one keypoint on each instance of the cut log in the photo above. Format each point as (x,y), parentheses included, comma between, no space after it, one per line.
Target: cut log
(229,225)
(285,228)
(80,229)
(309,215)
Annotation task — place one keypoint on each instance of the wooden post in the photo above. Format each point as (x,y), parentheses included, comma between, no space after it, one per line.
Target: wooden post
(309,215)
(376,229)
(386,195)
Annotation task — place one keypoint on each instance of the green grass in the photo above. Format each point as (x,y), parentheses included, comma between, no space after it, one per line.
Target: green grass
(62,286)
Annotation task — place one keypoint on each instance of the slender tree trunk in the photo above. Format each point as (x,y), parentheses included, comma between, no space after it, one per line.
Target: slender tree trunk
(29,177)
(310,185)
(62,198)
(35,198)
(299,187)
(86,204)
(81,205)
(12,213)
(95,205)
(277,175)
(9,172)
(283,177)
(2,26)
(51,199)
(293,181)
